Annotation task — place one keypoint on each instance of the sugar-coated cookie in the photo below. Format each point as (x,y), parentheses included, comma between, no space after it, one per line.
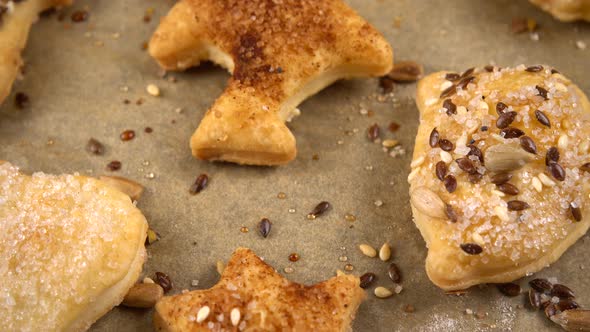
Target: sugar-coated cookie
(500,176)
(70,249)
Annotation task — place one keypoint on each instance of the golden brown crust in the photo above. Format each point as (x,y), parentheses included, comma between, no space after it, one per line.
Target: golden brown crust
(566,10)
(280,53)
(514,243)
(71,248)
(265,300)
(14,30)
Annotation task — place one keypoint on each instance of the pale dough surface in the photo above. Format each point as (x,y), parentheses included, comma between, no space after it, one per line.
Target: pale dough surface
(266,301)
(279,53)
(71,247)
(14,31)
(518,243)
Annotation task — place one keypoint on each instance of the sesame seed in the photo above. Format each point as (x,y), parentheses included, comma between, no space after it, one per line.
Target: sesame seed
(367,250)
(153,90)
(537,184)
(382,292)
(446,156)
(502,213)
(580,44)
(417,162)
(563,142)
(385,252)
(235,316)
(203,314)
(546,180)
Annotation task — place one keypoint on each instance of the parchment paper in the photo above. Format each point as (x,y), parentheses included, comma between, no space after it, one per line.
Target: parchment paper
(75,77)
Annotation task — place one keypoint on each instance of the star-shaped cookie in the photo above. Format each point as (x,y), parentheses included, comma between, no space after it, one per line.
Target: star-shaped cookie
(70,249)
(500,180)
(16,18)
(279,53)
(252,296)
(566,10)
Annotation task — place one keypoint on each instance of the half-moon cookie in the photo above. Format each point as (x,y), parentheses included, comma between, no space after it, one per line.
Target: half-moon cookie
(16,19)
(500,175)
(566,10)
(279,53)
(252,296)
(71,247)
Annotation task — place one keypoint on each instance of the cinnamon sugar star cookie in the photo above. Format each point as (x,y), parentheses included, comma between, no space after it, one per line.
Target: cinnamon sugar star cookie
(251,296)
(16,18)
(566,10)
(279,53)
(70,249)
(500,178)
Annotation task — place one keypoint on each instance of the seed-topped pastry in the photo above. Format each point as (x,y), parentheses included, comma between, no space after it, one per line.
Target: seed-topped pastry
(279,53)
(501,172)
(566,10)
(16,18)
(71,248)
(252,296)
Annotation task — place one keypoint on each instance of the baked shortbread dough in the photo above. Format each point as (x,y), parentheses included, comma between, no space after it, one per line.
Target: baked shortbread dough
(251,296)
(512,149)
(71,247)
(279,53)
(566,10)
(16,18)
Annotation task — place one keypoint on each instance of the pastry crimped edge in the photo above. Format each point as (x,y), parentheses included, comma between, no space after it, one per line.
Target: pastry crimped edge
(427,90)
(81,317)
(14,32)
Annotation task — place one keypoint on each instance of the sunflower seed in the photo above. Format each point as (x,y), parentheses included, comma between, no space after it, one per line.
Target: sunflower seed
(428,202)
(573,320)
